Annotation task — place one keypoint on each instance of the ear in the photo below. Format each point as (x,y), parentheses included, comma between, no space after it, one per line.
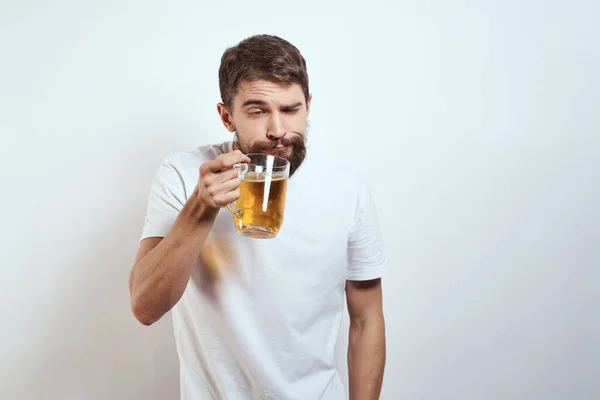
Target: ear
(226,117)
(308,102)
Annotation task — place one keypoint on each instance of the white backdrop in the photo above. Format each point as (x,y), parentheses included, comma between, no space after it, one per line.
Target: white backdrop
(478,123)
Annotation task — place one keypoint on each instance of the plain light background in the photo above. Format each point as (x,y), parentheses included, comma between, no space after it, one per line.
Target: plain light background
(478,123)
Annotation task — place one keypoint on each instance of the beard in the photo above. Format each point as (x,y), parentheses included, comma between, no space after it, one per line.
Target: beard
(295,151)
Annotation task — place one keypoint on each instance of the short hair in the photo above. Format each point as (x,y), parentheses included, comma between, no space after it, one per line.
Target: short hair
(259,57)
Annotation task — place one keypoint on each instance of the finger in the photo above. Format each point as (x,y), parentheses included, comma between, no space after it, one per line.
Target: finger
(229,185)
(226,198)
(207,167)
(230,159)
(214,178)
(227,175)
(223,187)
(245,158)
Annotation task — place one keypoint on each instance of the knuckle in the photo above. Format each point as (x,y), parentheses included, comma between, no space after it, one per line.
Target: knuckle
(218,162)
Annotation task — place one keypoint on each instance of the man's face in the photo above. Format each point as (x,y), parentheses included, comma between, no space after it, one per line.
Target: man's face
(269,118)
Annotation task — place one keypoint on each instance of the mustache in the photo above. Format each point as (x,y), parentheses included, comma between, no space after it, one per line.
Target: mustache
(283,141)
(295,143)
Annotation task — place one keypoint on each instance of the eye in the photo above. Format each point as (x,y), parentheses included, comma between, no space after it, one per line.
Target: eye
(292,111)
(256,112)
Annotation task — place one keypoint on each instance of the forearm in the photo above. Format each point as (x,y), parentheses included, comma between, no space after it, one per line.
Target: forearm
(159,279)
(366,358)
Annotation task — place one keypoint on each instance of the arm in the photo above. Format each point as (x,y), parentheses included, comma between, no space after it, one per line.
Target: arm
(366,345)
(163,266)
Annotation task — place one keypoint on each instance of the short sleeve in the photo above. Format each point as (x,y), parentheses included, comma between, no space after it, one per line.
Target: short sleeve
(166,199)
(366,252)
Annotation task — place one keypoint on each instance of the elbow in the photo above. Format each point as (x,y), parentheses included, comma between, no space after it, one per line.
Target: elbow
(142,313)
(144,320)
(371,322)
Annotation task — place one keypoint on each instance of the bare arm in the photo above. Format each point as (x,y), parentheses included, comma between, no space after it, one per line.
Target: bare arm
(366,346)
(163,266)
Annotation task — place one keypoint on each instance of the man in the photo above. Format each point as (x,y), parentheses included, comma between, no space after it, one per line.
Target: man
(259,318)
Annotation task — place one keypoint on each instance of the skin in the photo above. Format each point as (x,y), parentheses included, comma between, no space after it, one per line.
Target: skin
(262,112)
(366,344)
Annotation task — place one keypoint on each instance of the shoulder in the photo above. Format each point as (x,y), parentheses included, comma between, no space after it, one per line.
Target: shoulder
(178,172)
(186,162)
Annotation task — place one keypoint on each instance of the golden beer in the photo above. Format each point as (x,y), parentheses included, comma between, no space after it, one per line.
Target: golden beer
(261,204)
(258,212)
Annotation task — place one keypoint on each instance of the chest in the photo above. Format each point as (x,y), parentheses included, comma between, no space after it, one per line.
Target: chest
(310,251)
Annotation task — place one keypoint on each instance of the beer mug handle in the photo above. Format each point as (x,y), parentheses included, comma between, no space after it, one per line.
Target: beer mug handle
(242,169)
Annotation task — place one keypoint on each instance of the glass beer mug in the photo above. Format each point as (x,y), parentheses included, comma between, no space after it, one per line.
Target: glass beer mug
(258,213)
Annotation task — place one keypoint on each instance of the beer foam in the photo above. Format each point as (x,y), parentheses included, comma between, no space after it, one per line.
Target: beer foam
(263,177)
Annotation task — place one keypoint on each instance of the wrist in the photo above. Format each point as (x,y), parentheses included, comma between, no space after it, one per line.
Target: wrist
(198,210)
(196,213)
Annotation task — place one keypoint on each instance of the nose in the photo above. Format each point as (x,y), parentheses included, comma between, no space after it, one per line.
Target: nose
(275,129)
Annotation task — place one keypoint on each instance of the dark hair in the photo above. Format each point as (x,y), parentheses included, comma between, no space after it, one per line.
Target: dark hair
(265,57)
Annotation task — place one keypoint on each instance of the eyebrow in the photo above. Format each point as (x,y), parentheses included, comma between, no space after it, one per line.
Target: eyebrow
(255,102)
(292,106)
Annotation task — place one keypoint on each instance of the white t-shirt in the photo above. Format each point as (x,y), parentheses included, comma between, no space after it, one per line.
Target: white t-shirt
(267,325)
